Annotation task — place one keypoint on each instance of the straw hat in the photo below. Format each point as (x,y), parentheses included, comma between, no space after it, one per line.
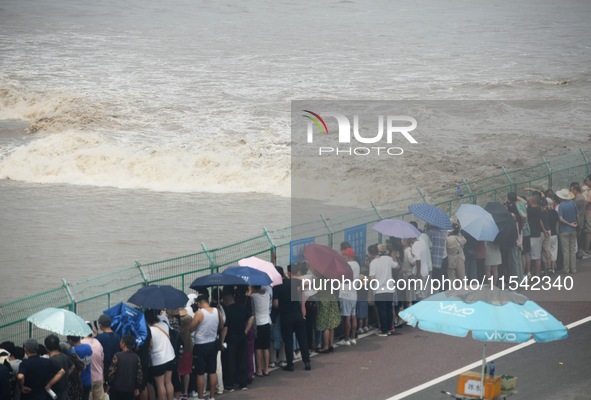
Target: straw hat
(565,194)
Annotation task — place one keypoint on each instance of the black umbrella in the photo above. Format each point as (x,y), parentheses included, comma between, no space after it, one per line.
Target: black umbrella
(507,235)
(159,297)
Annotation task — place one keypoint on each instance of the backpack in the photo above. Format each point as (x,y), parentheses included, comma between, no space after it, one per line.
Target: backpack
(11,375)
(177,343)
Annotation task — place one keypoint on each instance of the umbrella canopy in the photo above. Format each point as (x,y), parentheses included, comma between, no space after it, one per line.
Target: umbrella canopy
(126,320)
(478,222)
(159,297)
(60,321)
(507,229)
(217,280)
(431,215)
(264,266)
(397,228)
(327,262)
(251,276)
(492,315)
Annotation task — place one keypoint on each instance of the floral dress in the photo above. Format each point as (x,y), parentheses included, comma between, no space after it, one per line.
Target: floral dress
(328,315)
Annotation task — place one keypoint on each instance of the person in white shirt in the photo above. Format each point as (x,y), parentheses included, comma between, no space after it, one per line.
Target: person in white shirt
(380,276)
(161,355)
(348,297)
(262,298)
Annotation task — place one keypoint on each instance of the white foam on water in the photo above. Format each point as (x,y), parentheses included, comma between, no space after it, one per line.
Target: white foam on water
(85,158)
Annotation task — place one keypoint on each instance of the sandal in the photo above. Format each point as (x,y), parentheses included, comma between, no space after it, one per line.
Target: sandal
(323,351)
(266,373)
(259,375)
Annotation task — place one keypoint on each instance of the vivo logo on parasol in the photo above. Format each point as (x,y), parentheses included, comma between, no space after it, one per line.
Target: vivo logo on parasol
(394,124)
(454,309)
(501,337)
(538,314)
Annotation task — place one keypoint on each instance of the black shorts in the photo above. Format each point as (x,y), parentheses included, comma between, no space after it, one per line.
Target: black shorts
(263,339)
(159,370)
(206,358)
(526,245)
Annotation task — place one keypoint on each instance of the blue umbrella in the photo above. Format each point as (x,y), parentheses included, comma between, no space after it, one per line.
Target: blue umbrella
(159,297)
(431,215)
(397,228)
(491,314)
(126,320)
(217,280)
(251,276)
(478,222)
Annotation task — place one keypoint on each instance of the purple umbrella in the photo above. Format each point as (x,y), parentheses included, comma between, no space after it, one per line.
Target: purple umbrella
(397,228)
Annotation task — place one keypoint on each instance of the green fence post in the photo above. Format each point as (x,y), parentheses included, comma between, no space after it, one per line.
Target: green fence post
(549,172)
(422,195)
(469,190)
(139,267)
(375,209)
(72,306)
(586,161)
(330,233)
(273,247)
(212,265)
(509,180)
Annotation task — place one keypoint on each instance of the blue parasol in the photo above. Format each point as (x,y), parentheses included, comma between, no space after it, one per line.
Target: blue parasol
(126,320)
(478,222)
(431,215)
(251,276)
(491,314)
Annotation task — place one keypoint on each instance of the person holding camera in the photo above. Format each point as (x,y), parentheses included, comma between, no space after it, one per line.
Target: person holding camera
(455,254)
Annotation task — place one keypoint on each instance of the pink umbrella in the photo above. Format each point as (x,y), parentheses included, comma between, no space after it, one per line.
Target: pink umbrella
(263,266)
(327,262)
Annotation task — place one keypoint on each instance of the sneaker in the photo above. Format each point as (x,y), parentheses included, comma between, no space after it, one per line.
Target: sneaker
(344,343)
(229,390)
(353,341)
(307,366)
(382,334)
(272,365)
(297,356)
(365,330)
(243,388)
(283,363)
(360,330)
(288,368)
(193,394)
(219,391)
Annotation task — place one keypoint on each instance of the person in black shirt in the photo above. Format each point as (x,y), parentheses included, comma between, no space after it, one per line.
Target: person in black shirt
(534,218)
(52,343)
(238,321)
(292,320)
(35,374)
(125,372)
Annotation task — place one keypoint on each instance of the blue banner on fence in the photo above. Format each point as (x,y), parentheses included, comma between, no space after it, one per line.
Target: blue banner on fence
(296,249)
(356,237)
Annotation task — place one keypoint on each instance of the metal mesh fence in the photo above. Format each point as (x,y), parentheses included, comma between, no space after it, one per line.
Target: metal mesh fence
(91,296)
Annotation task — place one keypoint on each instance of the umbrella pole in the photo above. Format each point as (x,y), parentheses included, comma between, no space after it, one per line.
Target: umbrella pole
(482,370)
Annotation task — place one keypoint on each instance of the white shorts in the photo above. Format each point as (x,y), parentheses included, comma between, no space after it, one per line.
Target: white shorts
(551,245)
(536,248)
(348,307)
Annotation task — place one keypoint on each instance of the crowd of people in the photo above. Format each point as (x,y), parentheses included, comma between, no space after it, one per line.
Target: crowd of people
(227,337)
